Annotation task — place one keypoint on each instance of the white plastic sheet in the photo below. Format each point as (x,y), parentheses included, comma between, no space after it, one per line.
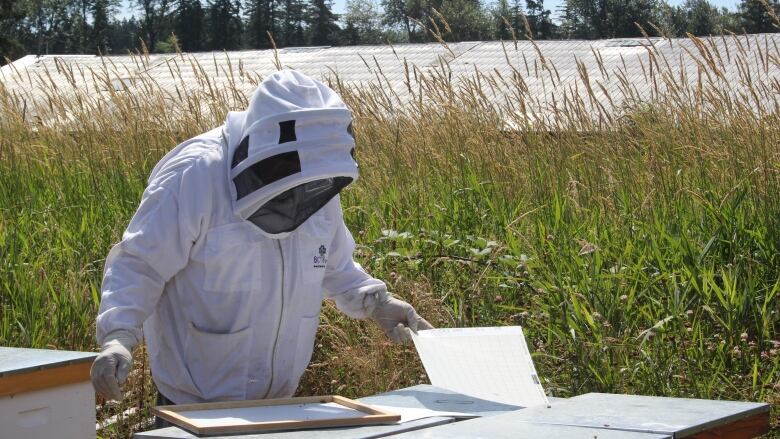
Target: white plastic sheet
(412,414)
(490,363)
(273,413)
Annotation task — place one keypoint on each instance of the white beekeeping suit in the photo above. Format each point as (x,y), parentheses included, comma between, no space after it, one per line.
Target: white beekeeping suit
(238,238)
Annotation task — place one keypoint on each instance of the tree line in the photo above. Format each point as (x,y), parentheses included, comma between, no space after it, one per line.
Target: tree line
(97,26)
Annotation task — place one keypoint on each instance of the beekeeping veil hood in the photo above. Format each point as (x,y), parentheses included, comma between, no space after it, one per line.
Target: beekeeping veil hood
(289,153)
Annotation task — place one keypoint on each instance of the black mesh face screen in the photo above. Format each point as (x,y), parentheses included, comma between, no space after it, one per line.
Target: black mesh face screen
(241,152)
(288,210)
(287,131)
(265,172)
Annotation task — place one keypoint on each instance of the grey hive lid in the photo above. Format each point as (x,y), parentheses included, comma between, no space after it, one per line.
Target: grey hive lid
(21,360)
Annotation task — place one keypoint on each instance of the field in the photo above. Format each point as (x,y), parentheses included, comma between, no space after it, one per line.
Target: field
(641,256)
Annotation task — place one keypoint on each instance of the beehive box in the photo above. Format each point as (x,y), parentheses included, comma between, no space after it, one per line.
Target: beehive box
(46,394)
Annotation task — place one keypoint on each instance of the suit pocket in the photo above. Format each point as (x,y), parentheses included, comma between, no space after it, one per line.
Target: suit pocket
(217,362)
(232,254)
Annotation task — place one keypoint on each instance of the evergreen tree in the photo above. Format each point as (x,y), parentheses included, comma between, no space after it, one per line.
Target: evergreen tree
(155,15)
(576,20)
(728,21)
(467,19)
(756,17)
(83,32)
(50,22)
(502,14)
(516,18)
(101,12)
(224,24)
(11,15)
(350,35)
(622,18)
(672,20)
(262,19)
(589,19)
(189,19)
(124,35)
(701,16)
(323,30)
(293,16)
(363,23)
(539,20)
(397,13)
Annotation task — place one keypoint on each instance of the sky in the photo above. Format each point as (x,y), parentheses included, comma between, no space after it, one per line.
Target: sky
(553,5)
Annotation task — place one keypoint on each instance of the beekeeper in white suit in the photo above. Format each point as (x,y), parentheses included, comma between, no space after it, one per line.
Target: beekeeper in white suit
(238,237)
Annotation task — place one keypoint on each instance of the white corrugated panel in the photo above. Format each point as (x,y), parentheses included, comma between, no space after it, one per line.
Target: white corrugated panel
(621,73)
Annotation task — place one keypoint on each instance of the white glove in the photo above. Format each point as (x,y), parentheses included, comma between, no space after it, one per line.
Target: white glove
(397,318)
(111,367)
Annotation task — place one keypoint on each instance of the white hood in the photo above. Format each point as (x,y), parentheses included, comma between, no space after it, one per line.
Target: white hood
(289,113)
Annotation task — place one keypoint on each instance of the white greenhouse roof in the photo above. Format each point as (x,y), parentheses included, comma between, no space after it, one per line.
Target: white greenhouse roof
(538,81)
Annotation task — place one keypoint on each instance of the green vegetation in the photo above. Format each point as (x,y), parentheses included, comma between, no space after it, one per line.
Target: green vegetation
(640,254)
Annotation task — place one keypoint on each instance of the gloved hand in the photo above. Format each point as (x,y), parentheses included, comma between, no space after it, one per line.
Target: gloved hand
(397,318)
(113,364)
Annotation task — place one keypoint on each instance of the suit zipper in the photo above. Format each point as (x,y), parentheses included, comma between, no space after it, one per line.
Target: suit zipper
(279,325)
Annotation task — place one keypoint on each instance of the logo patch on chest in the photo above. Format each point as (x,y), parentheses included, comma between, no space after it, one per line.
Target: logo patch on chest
(321,260)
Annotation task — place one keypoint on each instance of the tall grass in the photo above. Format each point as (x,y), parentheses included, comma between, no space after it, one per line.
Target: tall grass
(638,245)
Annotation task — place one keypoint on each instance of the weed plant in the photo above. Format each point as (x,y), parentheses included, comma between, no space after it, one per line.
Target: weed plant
(639,249)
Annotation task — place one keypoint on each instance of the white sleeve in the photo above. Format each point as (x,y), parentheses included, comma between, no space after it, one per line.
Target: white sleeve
(155,246)
(354,291)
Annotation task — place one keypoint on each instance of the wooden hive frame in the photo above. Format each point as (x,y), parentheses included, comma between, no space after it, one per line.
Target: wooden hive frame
(172,413)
